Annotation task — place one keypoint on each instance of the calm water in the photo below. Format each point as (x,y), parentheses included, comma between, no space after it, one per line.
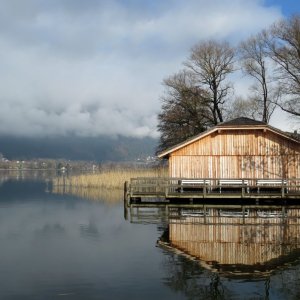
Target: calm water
(67,247)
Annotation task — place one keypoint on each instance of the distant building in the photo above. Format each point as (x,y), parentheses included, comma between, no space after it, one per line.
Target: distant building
(240,148)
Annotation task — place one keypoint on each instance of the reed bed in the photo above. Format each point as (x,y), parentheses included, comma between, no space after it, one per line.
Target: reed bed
(109,179)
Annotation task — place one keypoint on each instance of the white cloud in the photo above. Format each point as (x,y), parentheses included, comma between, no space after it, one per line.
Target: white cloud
(96,67)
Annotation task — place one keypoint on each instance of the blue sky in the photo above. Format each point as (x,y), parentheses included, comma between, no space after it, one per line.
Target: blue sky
(287,7)
(96,66)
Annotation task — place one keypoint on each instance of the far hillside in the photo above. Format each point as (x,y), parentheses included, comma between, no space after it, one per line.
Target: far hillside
(101,148)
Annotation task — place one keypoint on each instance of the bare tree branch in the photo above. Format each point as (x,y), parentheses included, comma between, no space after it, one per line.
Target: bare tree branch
(185,110)
(254,62)
(283,45)
(210,63)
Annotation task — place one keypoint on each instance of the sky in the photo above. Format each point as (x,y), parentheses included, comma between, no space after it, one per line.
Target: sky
(96,67)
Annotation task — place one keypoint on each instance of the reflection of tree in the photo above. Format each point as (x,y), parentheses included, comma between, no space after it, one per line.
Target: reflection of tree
(288,283)
(267,288)
(195,282)
(216,288)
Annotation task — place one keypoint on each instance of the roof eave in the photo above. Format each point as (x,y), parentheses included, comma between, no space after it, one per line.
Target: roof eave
(185,143)
(166,153)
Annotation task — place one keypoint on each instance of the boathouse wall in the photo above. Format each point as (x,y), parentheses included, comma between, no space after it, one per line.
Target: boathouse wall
(237,153)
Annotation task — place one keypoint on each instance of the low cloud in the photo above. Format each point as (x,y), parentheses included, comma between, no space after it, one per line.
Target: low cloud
(96,67)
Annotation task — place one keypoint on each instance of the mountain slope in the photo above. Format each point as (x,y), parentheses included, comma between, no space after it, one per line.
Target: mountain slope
(101,148)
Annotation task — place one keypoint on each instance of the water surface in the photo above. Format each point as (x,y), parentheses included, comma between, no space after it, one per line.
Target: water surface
(59,246)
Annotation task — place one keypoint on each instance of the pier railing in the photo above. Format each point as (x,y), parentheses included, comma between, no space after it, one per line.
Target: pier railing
(212,188)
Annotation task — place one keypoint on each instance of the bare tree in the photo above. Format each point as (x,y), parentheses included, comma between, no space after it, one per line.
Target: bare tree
(185,110)
(244,107)
(210,63)
(254,61)
(195,97)
(283,45)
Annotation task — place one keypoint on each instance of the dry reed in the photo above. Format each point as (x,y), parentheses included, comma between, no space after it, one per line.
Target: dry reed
(111,179)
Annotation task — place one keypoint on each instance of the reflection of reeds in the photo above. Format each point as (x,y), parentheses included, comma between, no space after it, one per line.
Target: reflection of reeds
(95,194)
(22,175)
(111,179)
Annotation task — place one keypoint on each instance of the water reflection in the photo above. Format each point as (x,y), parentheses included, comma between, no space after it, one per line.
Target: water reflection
(90,230)
(227,253)
(59,245)
(250,242)
(20,175)
(198,283)
(113,196)
(50,229)
(55,246)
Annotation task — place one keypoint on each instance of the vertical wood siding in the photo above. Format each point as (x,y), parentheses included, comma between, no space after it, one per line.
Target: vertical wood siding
(238,154)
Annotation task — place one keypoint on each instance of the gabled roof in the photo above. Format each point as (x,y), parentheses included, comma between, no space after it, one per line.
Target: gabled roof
(242,121)
(238,123)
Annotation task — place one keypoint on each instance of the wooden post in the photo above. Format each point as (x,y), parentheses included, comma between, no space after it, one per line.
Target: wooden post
(243,189)
(131,212)
(125,209)
(181,188)
(130,191)
(283,211)
(127,193)
(166,191)
(125,190)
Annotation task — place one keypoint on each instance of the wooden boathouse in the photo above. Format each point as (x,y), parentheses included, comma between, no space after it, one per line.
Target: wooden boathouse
(241,158)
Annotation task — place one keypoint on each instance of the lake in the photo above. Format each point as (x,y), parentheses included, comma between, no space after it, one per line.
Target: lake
(64,246)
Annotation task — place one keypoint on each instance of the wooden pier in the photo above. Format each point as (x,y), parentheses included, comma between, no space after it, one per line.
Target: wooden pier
(178,190)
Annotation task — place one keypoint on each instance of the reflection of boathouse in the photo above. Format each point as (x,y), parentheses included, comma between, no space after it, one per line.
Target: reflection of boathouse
(237,241)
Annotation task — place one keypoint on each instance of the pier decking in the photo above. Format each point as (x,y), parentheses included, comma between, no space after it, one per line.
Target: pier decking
(176,190)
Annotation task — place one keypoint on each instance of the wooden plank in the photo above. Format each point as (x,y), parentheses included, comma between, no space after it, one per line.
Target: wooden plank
(169,188)
(233,152)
